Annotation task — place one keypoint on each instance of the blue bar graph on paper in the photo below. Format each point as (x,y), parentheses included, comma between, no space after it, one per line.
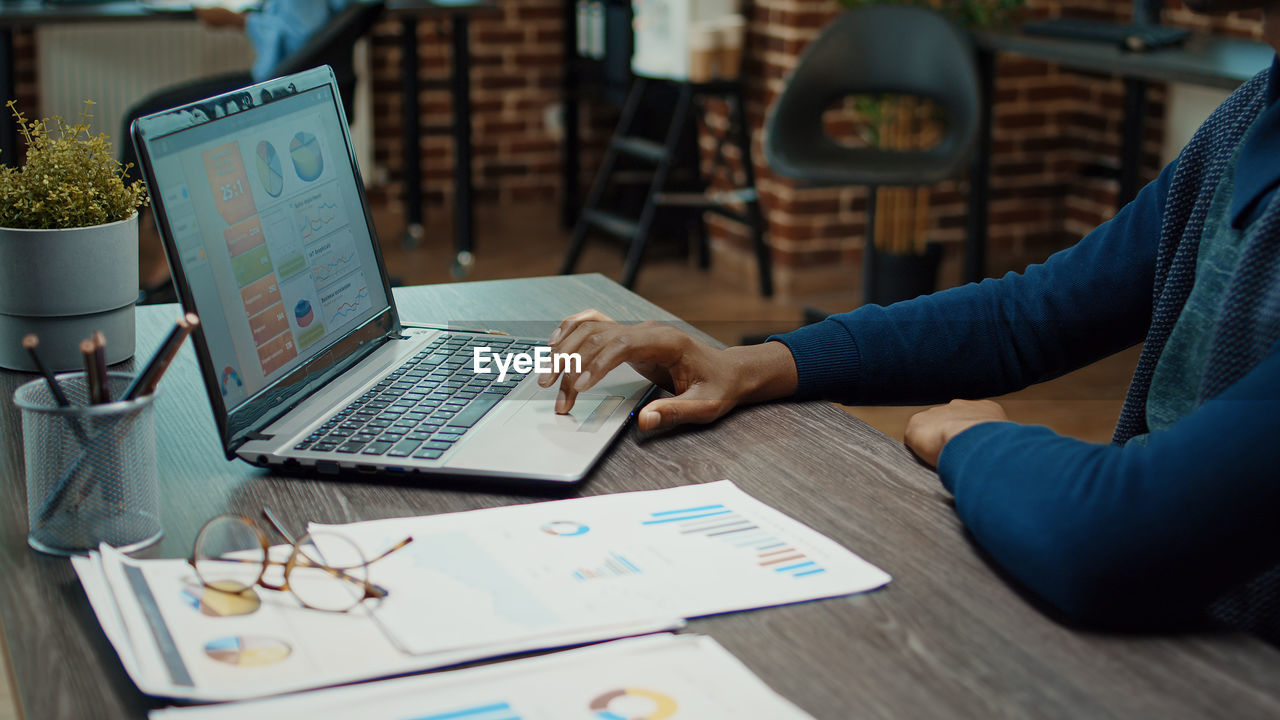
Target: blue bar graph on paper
(496,711)
(702,508)
(682,518)
(718,522)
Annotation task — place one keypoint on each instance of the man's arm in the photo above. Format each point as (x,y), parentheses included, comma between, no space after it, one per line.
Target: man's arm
(1140,536)
(997,336)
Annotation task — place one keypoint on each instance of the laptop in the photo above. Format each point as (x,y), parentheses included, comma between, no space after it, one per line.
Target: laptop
(306,361)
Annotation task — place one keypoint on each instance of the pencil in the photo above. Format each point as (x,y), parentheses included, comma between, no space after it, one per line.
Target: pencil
(100,362)
(92,371)
(146,381)
(31,342)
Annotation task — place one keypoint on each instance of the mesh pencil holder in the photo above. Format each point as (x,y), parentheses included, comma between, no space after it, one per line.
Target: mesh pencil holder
(91,469)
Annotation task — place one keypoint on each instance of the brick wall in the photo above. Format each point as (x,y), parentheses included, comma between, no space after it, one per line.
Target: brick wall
(515,80)
(1053,129)
(24,80)
(1056,135)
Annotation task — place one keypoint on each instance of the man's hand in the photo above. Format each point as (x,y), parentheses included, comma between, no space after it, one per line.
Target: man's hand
(930,430)
(707,382)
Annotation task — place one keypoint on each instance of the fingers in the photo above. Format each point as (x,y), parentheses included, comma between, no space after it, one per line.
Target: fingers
(681,410)
(645,345)
(601,347)
(923,436)
(564,331)
(571,323)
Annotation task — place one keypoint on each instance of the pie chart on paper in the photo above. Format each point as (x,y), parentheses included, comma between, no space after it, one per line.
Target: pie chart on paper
(247,651)
(269,172)
(305,151)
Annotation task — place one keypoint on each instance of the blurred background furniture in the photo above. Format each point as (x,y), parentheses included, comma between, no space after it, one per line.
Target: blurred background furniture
(459,13)
(334,45)
(740,203)
(1202,60)
(876,51)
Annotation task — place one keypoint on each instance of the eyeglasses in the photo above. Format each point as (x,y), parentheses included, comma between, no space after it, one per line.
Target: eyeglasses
(231,555)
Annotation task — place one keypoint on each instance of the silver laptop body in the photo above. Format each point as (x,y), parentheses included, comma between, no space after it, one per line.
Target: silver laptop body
(307,364)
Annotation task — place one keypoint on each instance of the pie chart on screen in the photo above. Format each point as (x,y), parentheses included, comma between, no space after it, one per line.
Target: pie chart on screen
(303,313)
(269,169)
(305,151)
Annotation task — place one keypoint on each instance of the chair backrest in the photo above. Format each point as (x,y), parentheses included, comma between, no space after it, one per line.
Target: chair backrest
(334,45)
(878,49)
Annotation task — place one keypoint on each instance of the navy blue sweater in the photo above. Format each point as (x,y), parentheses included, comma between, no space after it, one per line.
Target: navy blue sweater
(1142,535)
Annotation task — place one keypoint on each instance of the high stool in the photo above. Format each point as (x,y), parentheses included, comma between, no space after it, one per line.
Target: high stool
(660,194)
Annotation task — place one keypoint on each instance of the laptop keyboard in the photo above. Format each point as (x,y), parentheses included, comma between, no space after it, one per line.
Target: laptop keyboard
(424,407)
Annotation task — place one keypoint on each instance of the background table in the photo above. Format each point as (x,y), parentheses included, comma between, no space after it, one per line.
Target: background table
(1206,60)
(948,638)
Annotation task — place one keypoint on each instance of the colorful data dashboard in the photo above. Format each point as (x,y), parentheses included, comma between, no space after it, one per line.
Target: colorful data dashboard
(289,240)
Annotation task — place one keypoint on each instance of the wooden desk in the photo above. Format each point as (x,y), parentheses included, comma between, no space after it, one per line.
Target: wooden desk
(948,638)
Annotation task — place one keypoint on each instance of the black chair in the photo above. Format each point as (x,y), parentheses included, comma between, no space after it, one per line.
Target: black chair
(879,49)
(334,45)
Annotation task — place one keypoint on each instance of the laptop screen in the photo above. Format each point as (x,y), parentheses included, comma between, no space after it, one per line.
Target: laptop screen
(267,221)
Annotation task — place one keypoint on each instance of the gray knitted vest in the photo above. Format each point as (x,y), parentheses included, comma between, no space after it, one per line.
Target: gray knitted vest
(1249,324)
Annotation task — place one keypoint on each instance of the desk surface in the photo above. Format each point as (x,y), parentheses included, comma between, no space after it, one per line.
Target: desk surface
(947,638)
(1221,62)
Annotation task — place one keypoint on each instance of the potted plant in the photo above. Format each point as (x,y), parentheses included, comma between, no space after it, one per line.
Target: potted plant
(68,245)
(907,263)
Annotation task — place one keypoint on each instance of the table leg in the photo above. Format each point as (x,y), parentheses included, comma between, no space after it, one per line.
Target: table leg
(870,289)
(569,190)
(975,252)
(1135,116)
(411,129)
(464,218)
(8,128)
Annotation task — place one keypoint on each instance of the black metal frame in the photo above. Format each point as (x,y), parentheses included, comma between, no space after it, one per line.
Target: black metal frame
(663,157)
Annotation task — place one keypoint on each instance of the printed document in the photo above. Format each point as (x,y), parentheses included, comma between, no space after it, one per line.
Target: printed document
(471,585)
(544,567)
(658,676)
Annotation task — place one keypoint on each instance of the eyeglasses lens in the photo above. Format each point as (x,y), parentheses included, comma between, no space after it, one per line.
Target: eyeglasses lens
(328,572)
(229,554)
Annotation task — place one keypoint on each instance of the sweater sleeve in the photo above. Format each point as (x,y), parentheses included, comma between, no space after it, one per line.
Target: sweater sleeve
(1140,536)
(997,336)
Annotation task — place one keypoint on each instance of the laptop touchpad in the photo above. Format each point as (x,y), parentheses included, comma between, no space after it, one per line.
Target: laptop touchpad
(588,414)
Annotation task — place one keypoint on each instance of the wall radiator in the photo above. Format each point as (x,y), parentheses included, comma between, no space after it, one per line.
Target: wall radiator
(116,64)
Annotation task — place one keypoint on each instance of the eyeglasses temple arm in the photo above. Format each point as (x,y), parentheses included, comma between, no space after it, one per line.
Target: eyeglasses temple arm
(391,549)
(279,526)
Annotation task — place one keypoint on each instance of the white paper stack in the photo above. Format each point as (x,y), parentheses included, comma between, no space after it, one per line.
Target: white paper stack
(473,585)
(658,676)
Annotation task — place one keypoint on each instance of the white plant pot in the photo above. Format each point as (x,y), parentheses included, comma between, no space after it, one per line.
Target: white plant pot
(63,285)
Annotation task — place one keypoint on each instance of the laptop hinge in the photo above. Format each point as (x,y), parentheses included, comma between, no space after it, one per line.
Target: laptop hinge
(256,435)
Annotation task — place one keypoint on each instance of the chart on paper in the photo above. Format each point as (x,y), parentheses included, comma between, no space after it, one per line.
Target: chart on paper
(658,677)
(602,560)
(717,522)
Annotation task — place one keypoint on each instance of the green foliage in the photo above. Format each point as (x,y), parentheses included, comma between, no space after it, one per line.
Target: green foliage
(70,179)
(969,13)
